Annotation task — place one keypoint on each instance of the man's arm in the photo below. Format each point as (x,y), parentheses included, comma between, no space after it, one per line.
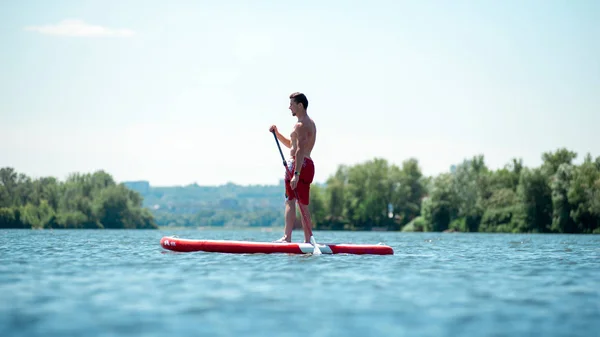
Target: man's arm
(285,141)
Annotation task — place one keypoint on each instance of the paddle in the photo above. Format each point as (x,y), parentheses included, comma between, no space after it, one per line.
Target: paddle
(316,250)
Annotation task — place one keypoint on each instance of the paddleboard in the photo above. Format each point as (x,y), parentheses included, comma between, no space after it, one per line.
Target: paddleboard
(255,247)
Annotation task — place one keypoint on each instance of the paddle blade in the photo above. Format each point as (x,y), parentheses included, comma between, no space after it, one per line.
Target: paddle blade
(316,251)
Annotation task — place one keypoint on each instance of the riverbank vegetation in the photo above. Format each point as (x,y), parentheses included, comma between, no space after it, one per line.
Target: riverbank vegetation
(559,196)
(82,201)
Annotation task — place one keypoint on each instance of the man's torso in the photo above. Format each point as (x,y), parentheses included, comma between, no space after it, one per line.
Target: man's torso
(307,137)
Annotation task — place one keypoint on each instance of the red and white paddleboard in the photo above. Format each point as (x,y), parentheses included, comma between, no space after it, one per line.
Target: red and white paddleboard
(252,247)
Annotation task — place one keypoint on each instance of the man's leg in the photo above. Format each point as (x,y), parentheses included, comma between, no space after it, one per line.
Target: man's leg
(290,219)
(303,193)
(290,211)
(306,222)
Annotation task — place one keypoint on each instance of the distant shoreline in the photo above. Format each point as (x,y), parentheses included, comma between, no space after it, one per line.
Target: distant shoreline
(375,195)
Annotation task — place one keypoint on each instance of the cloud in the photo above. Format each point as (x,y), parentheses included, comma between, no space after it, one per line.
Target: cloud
(78,28)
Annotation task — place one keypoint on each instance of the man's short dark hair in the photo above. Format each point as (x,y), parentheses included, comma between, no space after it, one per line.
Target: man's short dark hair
(300,98)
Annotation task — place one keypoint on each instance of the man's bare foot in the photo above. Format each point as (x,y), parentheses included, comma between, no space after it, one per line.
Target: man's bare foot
(282,240)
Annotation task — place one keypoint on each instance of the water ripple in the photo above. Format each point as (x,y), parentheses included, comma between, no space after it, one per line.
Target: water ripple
(104,283)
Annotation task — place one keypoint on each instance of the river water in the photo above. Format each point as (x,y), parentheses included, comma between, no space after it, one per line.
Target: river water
(123,283)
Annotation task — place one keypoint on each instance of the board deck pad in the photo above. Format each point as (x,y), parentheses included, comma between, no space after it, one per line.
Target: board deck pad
(256,247)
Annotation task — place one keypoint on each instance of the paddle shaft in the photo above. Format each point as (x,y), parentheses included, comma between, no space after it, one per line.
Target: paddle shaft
(280,152)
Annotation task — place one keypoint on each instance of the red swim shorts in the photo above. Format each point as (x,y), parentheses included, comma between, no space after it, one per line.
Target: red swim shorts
(306,178)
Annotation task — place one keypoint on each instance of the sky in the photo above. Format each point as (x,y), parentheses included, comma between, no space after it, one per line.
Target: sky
(181,92)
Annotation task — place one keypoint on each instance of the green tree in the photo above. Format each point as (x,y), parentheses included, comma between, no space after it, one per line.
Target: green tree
(561,206)
(37,216)
(500,211)
(584,198)
(317,206)
(408,190)
(81,201)
(535,202)
(441,207)
(470,185)
(552,160)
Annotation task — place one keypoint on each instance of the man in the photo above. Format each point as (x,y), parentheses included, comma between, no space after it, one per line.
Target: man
(301,142)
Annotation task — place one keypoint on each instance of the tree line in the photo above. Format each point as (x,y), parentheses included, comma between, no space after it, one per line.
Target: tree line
(82,201)
(557,197)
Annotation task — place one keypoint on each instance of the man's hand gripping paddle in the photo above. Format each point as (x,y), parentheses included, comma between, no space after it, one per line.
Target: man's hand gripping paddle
(316,250)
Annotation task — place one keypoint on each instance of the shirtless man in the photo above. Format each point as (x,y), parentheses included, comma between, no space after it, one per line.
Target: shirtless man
(301,142)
